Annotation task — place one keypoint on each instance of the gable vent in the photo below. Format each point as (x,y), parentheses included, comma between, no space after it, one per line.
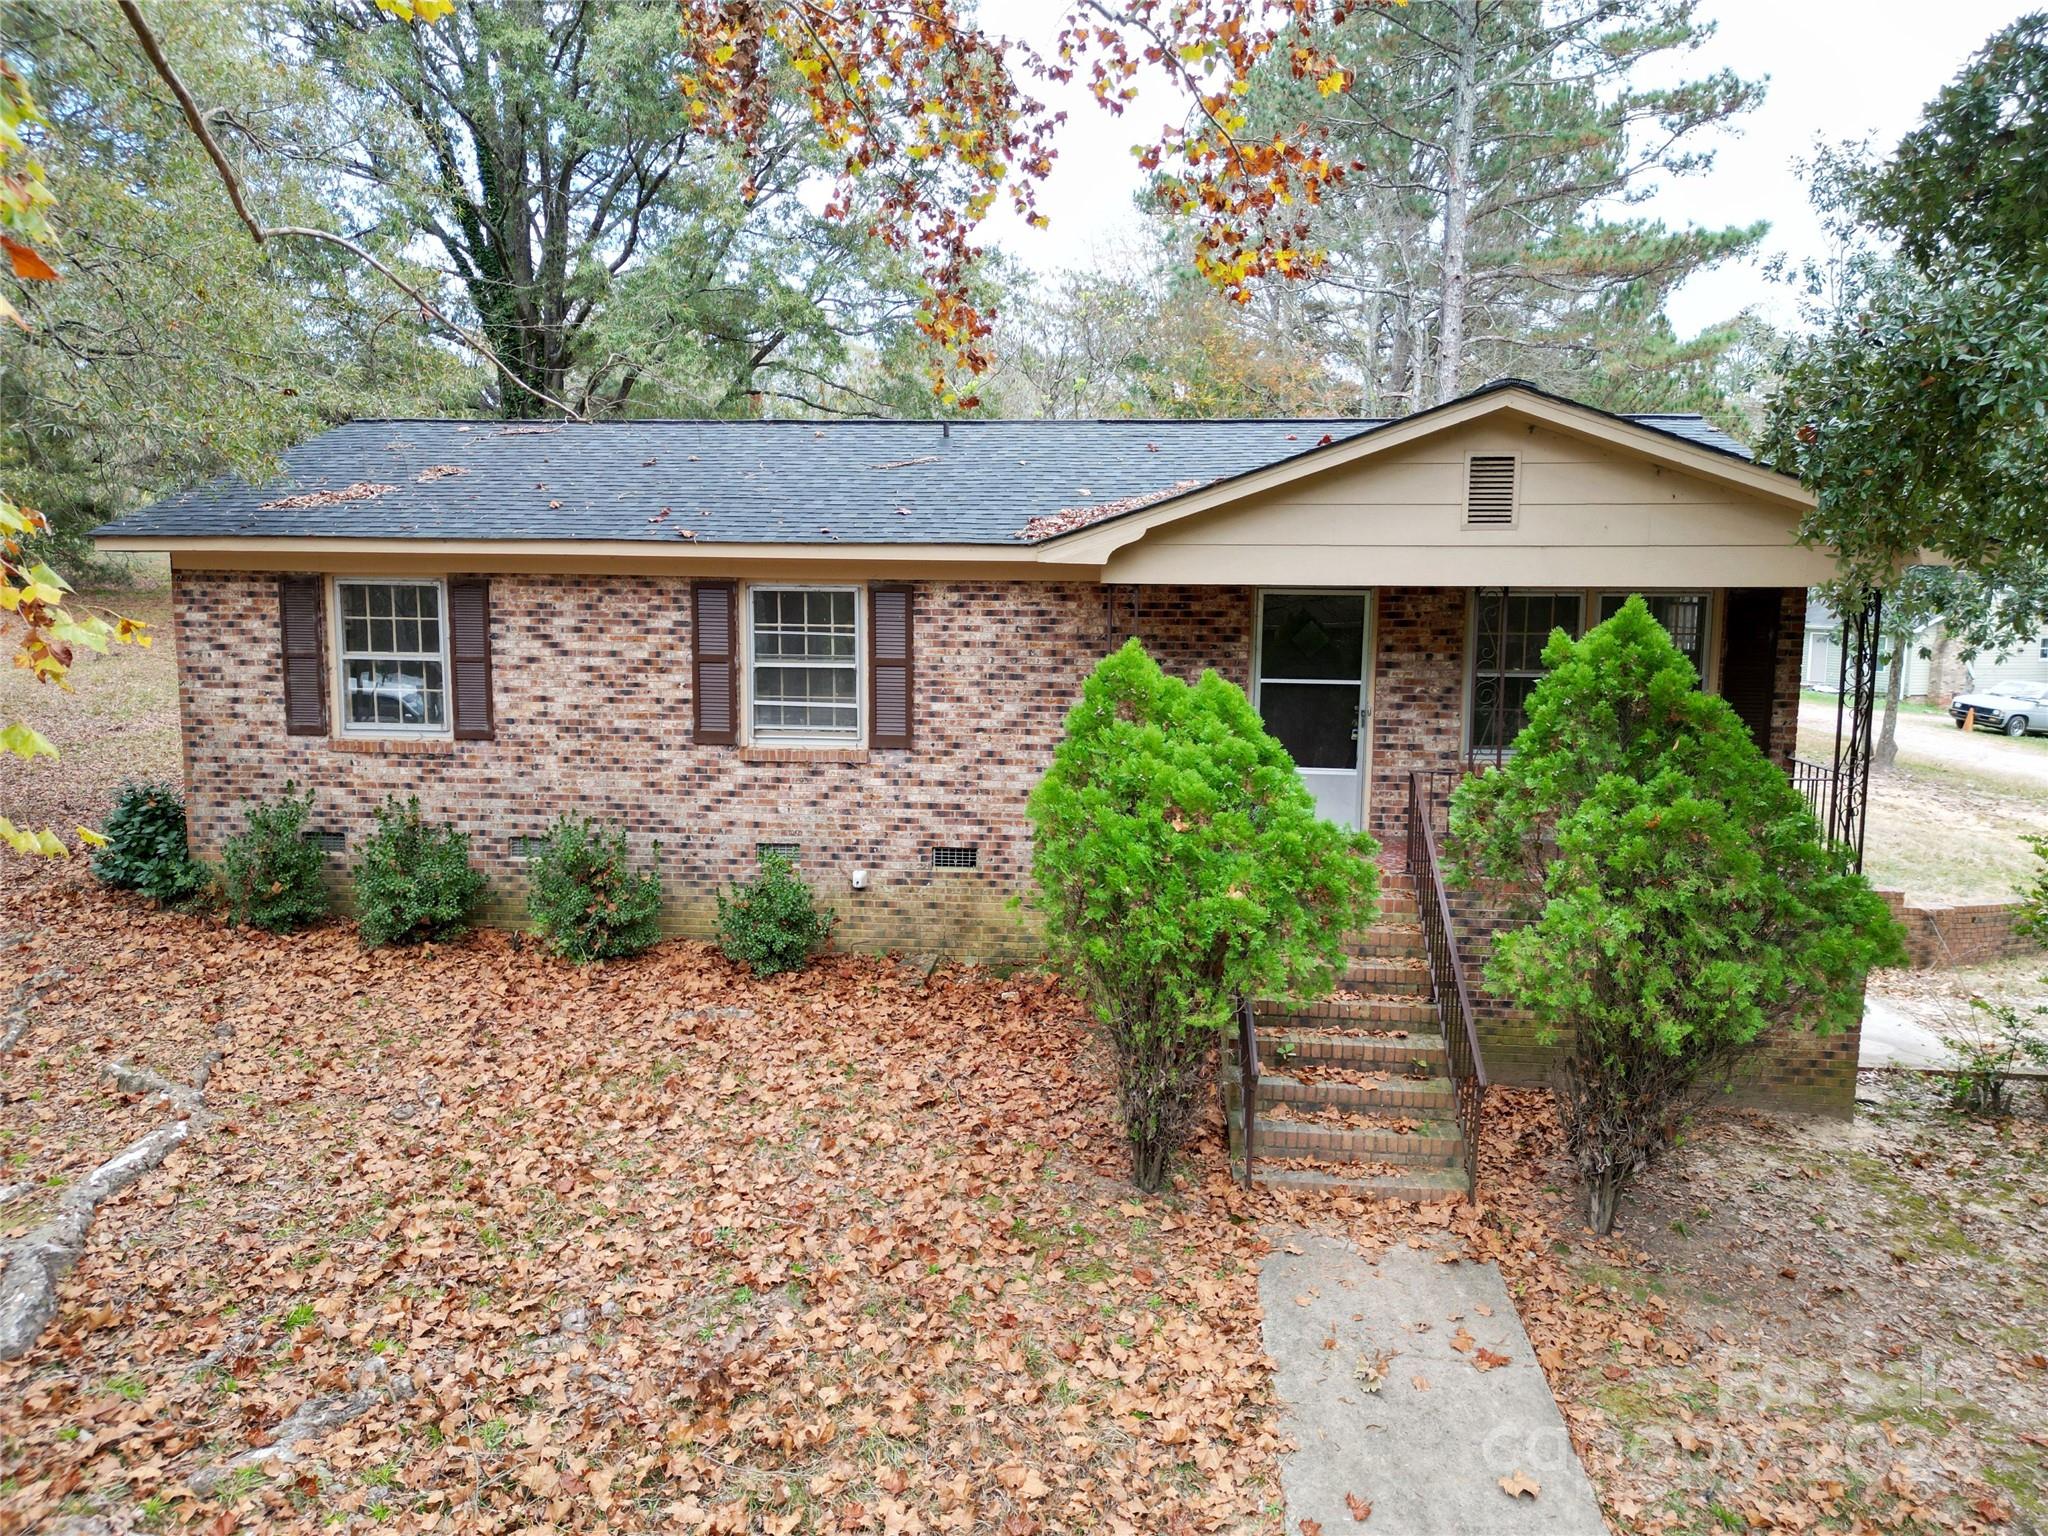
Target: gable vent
(956,858)
(1490,491)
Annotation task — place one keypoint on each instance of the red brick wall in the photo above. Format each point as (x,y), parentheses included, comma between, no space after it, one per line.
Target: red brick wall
(1938,938)
(592,691)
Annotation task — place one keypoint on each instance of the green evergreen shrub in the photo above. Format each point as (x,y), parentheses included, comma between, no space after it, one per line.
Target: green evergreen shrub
(270,873)
(1180,864)
(772,923)
(584,902)
(2033,914)
(146,851)
(413,882)
(1689,901)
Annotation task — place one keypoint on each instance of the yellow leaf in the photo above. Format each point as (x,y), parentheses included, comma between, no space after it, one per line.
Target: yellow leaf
(90,838)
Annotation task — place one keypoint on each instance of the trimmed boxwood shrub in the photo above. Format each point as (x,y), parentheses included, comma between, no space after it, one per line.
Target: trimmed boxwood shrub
(414,881)
(773,922)
(1689,900)
(146,851)
(1181,865)
(270,873)
(584,902)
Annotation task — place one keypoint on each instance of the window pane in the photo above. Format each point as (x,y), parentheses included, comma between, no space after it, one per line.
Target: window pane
(380,601)
(1507,662)
(1312,635)
(1683,615)
(1316,722)
(392,674)
(355,634)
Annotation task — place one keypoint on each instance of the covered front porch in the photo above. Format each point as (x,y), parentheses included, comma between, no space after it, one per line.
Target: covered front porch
(1366,686)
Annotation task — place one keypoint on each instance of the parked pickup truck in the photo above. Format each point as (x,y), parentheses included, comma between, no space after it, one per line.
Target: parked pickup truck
(2015,711)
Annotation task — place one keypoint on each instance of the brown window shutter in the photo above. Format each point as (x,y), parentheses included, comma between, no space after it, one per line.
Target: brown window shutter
(1749,659)
(715,666)
(891,697)
(469,655)
(301,624)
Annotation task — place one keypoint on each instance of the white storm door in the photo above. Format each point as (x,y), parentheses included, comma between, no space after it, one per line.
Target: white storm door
(1311,688)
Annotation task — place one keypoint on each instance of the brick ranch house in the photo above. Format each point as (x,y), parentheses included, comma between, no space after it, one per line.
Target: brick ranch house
(859,639)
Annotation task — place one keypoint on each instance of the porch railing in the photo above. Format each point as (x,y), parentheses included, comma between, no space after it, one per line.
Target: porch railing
(1447,985)
(1815,781)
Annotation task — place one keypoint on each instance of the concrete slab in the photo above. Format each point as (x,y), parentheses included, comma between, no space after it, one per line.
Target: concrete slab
(1428,1458)
(1893,1039)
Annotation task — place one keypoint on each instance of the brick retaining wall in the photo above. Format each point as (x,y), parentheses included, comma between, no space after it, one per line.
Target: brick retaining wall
(1953,937)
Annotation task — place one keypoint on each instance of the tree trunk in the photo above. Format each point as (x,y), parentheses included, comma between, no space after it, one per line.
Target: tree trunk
(1603,1199)
(1886,752)
(1455,275)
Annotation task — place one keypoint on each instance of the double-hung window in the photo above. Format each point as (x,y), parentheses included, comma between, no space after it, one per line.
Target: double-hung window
(393,657)
(804,665)
(1507,658)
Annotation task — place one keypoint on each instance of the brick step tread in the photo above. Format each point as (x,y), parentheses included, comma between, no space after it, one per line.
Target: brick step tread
(1413,1185)
(1378,977)
(1436,1143)
(1378,1008)
(1411,1094)
(1386,941)
(1379,1048)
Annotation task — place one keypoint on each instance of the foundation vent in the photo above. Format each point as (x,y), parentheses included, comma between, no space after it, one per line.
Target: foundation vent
(788,851)
(327,842)
(527,847)
(1490,490)
(956,858)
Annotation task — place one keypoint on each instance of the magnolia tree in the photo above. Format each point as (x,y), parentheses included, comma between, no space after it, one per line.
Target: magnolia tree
(1181,865)
(1688,899)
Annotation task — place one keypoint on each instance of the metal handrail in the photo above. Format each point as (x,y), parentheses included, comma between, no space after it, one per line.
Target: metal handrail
(1448,988)
(1248,1078)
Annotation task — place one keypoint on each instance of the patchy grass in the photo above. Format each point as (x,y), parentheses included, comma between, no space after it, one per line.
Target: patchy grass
(1864,1318)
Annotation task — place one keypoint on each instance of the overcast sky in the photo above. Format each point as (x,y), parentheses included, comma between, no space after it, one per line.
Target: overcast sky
(1837,69)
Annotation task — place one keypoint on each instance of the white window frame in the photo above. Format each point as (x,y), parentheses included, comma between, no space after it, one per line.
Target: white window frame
(752,735)
(1466,702)
(343,726)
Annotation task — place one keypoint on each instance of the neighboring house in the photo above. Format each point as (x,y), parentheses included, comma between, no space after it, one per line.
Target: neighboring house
(860,639)
(1934,670)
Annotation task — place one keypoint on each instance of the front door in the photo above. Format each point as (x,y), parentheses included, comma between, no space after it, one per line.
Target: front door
(1310,686)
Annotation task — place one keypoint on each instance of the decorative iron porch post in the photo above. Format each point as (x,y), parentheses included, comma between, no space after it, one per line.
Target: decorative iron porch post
(1855,704)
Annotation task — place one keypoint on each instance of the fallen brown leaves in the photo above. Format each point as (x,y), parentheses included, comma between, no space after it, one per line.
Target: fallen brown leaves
(361,490)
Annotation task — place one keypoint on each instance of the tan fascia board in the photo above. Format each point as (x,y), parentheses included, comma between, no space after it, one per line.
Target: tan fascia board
(585,556)
(1093,546)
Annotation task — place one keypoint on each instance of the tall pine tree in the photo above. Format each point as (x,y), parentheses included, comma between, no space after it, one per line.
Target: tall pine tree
(1473,237)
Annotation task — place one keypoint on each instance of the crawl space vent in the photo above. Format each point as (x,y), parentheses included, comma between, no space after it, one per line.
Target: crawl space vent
(527,847)
(956,858)
(1490,491)
(327,842)
(787,850)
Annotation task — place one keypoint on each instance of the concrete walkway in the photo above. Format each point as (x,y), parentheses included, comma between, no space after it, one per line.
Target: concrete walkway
(1892,1039)
(1380,1371)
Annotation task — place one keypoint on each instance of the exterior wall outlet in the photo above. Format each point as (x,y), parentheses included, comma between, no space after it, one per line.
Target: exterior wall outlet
(860,879)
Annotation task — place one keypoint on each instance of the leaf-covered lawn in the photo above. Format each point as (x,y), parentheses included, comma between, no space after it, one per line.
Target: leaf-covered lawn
(649,1245)
(656,1245)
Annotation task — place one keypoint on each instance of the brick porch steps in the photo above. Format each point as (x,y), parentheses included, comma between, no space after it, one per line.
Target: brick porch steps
(1415,1096)
(1391,1010)
(1387,1051)
(1385,1030)
(1416,1186)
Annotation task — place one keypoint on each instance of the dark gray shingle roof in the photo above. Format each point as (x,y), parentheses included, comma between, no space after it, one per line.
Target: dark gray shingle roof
(784,482)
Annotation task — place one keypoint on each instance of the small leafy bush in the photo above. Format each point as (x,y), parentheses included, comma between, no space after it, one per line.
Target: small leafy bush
(584,902)
(145,850)
(1180,864)
(270,873)
(773,922)
(414,881)
(1997,1043)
